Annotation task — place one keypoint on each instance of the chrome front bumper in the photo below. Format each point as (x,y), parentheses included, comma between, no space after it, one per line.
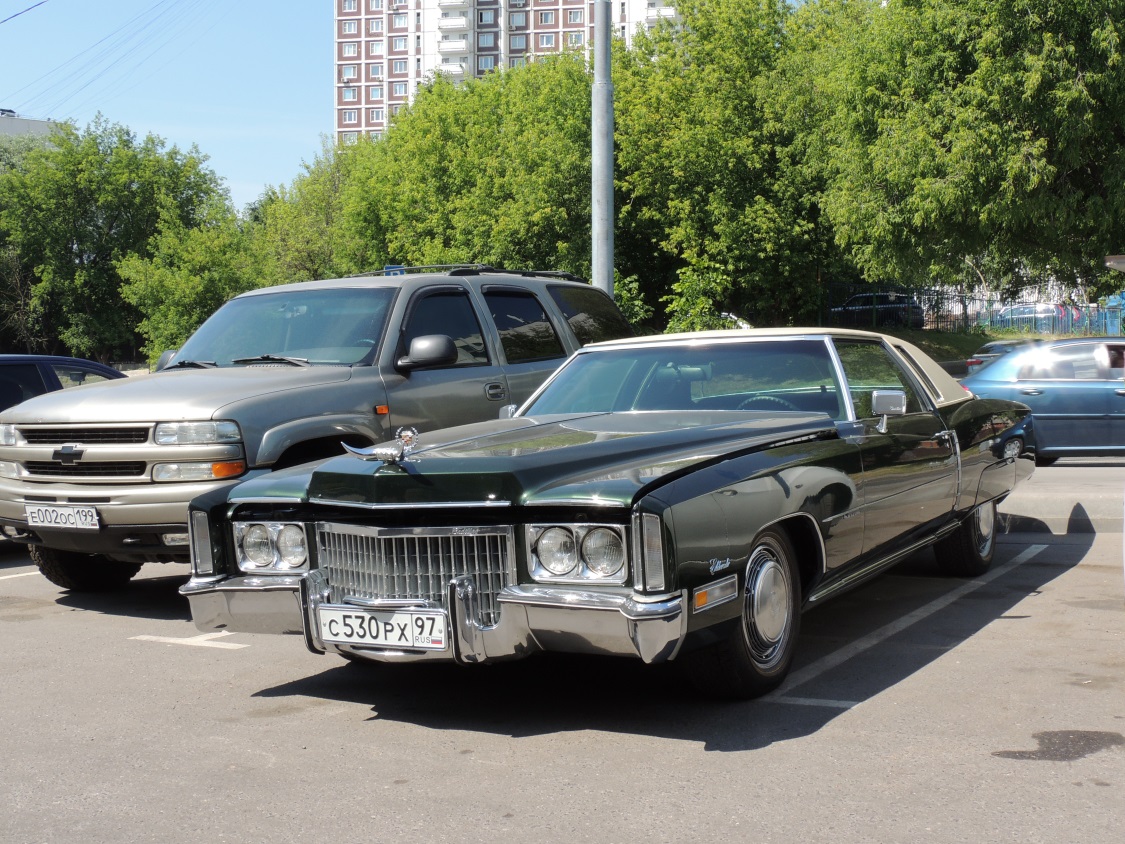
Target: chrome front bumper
(532,618)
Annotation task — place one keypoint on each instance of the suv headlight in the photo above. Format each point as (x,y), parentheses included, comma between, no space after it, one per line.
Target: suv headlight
(265,547)
(197,433)
(577,553)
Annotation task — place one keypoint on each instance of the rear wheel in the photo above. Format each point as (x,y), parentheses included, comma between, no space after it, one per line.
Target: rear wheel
(969,551)
(82,572)
(756,655)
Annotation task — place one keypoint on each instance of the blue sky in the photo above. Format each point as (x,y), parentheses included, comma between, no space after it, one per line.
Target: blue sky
(248,83)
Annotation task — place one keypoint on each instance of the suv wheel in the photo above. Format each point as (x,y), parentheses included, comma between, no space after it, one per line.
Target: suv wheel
(82,572)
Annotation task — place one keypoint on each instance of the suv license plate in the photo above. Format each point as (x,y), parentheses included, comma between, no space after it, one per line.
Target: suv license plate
(397,629)
(49,515)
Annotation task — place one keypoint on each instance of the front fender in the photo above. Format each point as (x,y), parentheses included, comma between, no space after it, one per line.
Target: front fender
(279,439)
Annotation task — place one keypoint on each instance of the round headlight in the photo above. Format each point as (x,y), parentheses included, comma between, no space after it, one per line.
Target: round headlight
(556,551)
(256,545)
(603,552)
(291,546)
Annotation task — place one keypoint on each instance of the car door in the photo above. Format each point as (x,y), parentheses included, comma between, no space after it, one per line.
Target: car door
(531,346)
(909,462)
(1115,393)
(470,389)
(1066,388)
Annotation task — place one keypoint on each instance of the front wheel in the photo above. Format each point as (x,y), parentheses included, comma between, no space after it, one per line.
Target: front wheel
(82,572)
(756,655)
(968,552)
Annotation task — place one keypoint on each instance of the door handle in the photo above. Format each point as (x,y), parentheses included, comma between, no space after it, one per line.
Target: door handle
(495,392)
(1119,392)
(1031,392)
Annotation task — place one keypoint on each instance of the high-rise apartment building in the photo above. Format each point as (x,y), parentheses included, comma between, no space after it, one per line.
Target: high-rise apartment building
(386,48)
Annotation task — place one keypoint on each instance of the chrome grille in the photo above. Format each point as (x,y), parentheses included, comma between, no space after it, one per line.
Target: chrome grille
(372,563)
(83,436)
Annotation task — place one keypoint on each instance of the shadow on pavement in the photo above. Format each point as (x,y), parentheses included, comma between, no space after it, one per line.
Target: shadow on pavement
(555,693)
(143,597)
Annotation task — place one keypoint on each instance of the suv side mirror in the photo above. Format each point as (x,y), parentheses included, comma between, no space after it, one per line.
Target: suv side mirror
(165,358)
(429,350)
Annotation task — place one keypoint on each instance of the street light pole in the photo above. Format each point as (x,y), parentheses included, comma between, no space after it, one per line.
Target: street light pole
(601,152)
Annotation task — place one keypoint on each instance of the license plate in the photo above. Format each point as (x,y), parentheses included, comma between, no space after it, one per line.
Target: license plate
(49,515)
(398,629)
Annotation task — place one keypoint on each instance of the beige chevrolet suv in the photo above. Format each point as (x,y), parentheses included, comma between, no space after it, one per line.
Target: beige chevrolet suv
(97,478)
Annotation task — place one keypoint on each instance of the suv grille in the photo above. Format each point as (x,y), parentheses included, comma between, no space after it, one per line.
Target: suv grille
(415,563)
(121,468)
(59,436)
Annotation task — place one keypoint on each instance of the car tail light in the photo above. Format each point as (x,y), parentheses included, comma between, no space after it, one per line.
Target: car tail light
(973,362)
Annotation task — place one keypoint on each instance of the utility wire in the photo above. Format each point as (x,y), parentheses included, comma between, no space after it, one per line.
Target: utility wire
(28,9)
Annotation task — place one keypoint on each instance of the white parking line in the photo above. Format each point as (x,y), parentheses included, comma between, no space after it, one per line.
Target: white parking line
(203,641)
(22,574)
(832,660)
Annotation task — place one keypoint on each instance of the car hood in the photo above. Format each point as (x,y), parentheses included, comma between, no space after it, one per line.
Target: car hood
(596,460)
(168,396)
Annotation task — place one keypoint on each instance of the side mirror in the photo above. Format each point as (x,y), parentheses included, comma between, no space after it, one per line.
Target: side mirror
(429,350)
(166,358)
(887,403)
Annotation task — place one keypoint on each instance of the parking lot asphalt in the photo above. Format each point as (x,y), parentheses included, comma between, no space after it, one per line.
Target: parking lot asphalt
(921,708)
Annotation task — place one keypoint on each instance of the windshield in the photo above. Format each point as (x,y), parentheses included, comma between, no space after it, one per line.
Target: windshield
(774,375)
(338,326)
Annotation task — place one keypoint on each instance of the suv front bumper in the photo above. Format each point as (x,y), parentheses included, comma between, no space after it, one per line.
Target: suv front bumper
(132,518)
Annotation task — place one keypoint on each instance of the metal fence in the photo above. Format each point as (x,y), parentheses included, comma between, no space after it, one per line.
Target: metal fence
(945,310)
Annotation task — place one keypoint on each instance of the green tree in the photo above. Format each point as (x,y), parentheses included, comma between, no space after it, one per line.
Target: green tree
(495,170)
(75,208)
(992,132)
(191,271)
(703,171)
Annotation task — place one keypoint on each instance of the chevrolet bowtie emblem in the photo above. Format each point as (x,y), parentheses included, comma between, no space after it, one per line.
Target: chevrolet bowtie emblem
(68,455)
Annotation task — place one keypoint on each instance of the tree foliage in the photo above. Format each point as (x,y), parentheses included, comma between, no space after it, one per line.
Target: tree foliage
(763,150)
(988,131)
(75,208)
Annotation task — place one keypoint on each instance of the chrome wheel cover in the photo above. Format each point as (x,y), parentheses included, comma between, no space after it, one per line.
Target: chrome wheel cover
(767,615)
(984,528)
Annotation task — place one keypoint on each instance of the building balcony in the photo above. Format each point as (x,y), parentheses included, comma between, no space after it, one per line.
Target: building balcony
(453,22)
(453,4)
(453,45)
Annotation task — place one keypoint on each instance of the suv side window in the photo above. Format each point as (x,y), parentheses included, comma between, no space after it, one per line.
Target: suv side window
(592,315)
(525,331)
(451,313)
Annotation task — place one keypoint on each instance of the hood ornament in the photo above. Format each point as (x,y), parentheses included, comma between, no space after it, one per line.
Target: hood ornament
(405,441)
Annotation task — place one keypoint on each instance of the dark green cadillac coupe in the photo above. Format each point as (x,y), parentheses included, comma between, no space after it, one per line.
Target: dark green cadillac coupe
(674,497)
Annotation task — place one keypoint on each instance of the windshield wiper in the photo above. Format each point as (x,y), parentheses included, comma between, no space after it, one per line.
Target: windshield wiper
(273,359)
(195,364)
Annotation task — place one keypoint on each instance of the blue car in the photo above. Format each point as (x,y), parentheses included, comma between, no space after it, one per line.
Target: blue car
(24,376)
(1075,389)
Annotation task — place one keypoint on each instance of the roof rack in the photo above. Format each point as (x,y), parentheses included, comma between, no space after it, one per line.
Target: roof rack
(472,269)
